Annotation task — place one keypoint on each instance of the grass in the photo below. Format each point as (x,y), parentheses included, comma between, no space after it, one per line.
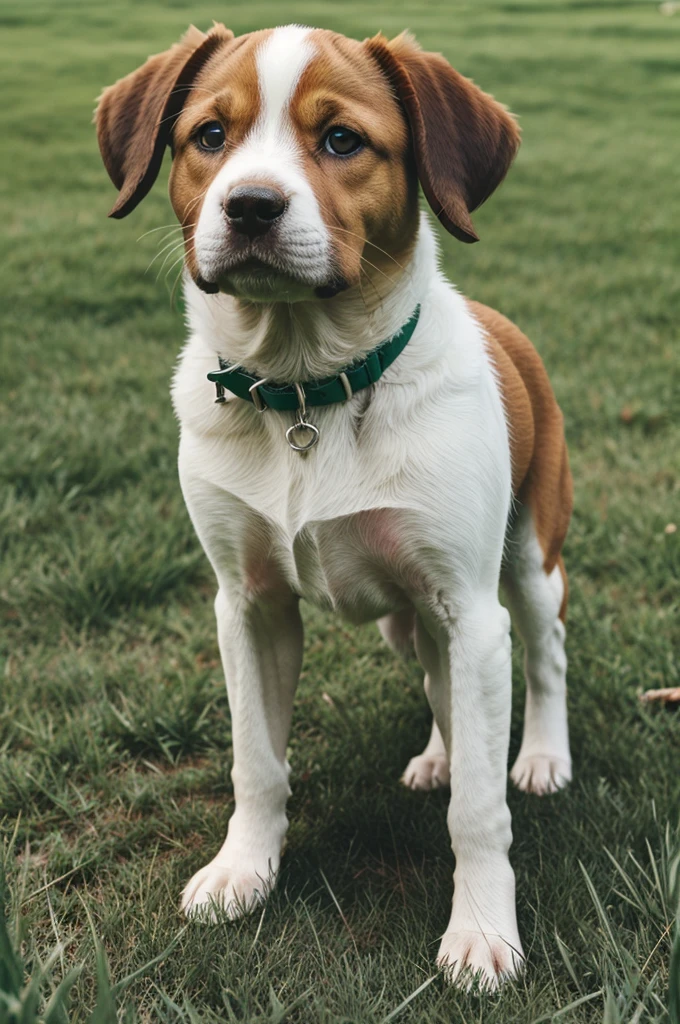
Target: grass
(114,727)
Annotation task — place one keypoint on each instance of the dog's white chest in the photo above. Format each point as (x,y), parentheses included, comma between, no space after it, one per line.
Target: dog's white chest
(334,531)
(363,566)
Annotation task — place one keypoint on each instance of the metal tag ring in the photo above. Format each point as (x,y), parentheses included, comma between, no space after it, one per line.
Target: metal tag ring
(302,426)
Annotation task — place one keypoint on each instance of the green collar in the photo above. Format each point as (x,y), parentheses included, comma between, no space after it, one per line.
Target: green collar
(328,391)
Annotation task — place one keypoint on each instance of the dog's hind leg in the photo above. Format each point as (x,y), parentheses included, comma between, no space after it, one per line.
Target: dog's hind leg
(533,574)
(429,770)
(537,601)
(397,630)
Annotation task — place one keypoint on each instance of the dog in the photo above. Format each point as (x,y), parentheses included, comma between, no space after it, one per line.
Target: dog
(353,430)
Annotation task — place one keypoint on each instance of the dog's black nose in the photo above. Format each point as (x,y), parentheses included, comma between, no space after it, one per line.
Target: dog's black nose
(252,209)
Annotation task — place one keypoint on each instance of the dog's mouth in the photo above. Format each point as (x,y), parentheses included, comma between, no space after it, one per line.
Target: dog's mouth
(259,280)
(267,279)
(256,267)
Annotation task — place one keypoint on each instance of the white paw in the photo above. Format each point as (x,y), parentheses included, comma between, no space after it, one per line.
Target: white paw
(541,774)
(427,771)
(486,959)
(217,888)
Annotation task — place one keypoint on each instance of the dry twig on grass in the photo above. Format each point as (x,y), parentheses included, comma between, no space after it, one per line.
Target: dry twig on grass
(670,695)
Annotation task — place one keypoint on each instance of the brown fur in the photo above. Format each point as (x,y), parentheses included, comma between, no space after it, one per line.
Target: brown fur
(136,115)
(373,197)
(541,475)
(464,142)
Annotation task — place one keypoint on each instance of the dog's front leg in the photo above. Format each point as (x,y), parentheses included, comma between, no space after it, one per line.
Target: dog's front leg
(261,648)
(467,657)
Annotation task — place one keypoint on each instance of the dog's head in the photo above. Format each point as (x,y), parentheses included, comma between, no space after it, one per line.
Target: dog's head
(297,153)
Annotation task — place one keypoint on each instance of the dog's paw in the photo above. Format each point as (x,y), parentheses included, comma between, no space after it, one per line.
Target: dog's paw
(540,774)
(468,959)
(221,890)
(427,771)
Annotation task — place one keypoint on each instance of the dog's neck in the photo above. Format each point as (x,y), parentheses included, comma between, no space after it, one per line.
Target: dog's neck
(301,341)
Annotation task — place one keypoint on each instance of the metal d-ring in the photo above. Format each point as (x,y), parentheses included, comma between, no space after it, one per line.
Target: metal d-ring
(301,423)
(256,396)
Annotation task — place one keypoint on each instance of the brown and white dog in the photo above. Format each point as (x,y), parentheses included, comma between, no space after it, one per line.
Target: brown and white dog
(297,155)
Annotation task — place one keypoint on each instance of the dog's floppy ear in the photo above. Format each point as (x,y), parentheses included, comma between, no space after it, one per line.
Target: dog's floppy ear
(463,140)
(135,117)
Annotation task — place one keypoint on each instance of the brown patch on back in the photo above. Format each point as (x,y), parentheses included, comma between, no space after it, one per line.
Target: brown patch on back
(541,475)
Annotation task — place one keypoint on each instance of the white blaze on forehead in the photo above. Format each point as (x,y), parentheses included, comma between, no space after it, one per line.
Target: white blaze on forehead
(281,59)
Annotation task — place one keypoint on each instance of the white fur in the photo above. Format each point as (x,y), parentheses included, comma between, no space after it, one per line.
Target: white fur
(399,514)
(544,762)
(429,770)
(280,63)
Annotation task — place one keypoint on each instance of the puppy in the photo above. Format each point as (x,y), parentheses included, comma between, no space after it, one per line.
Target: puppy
(353,431)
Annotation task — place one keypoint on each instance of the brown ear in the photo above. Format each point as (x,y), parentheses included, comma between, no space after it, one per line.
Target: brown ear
(463,141)
(135,117)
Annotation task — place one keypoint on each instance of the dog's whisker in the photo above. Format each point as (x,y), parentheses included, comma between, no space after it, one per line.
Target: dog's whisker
(379,297)
(362,238)
(170,239)
(170,269)
(172,266)
(171,246)
(363,259)
(192,204)
(174,241)
(169,256)
(173,227)
(174,288)
(335,227)
(381,272)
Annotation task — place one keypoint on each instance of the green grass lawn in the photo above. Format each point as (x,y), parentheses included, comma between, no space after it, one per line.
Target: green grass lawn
(114,726)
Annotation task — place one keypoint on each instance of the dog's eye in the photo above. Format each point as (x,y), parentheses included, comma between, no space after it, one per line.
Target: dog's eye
(211,136)
(343,142)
